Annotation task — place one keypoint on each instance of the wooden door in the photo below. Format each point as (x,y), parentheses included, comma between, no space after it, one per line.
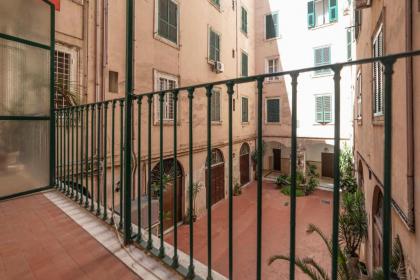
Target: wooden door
(327,161)
(277,159)
(168,204)
(217,187)
(244,168)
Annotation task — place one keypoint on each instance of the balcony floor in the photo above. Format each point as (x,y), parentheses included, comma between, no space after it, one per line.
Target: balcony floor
(39,241)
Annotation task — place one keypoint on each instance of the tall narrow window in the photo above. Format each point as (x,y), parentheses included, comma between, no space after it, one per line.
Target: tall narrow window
(165,82)
(214,46)
(245,118)
(244,24)
(168,20)
(378,75)
(349,44)
(113,82)
(322,56)
(323,109)
(272,66)
(66,86)
(272,26)
(359,95)
(332,10)
(311,14)
(322,12)
(215,106)
(244,64)
(273,110)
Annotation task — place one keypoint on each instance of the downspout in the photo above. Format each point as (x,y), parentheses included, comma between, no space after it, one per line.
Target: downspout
(410,116)
(86,50)
(97,51)
(104,47)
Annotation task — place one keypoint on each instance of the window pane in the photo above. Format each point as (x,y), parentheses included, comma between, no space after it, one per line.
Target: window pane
(273,110)
(244,109)
(270,26)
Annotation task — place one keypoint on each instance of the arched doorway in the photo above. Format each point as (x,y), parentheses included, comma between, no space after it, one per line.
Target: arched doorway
(244,163)
(168,193)
(217,187)
(377,213)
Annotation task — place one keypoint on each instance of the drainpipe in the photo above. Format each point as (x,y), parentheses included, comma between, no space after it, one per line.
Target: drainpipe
(104,47)
(410,116)
(86,50)
(97,50)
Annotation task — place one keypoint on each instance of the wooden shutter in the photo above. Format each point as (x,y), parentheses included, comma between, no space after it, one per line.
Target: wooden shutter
(173,22)
(333,10)
(270,30)
(327,104)
(349,41)
(244,64)
(163,18)
(319,114)
(244,20)
(212,46)
(244,109)
(215,106)
(311,14)
(273,110)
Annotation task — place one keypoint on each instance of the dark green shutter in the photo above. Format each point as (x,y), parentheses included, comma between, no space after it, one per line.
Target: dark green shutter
(270,26)
(323,109)
(244,109)
(327,104)
(273,110)
(349,41)
(244,25)
(173,22)
(168,20)
(333,10)
(214,46)
(311,14)
(244,64)
(319,115)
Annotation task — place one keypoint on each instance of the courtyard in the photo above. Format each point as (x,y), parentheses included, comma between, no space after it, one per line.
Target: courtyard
(315,208)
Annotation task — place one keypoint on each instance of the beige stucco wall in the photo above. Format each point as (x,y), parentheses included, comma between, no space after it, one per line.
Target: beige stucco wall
(369,132)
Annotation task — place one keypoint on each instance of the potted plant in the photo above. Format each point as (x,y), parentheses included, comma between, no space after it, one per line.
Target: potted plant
(283,180)
(237,190)
(312,179)
(196,187)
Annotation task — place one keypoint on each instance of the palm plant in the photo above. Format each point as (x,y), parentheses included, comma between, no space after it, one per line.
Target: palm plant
(397,264)
(313,269)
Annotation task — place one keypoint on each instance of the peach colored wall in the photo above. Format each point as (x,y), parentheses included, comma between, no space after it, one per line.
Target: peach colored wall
(369,132)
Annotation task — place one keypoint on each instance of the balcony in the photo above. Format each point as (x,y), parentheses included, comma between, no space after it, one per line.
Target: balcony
(119,187)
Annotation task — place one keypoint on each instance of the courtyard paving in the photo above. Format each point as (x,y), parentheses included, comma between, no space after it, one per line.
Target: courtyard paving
(315,208)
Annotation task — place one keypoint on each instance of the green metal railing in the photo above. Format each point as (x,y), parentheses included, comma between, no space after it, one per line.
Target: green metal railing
(76,173)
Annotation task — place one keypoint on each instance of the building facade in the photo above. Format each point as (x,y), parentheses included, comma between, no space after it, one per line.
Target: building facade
(305,34)
(386,27)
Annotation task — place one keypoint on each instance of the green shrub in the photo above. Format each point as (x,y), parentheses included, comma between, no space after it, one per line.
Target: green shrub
(312,179)
(286,191)
(283,180)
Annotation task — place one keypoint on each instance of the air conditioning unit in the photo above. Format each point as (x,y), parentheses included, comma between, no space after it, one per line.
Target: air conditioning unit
(219,67)
(361,4)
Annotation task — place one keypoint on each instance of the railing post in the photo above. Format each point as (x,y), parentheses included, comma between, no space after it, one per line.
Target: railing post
(230,92)
(336,195)
(149,172)
(260,82)
(209,92)
(52,95)
(98,162)
(191,273)
(175,262)
(293,178)
(387,225)
(139,234)
(161,248)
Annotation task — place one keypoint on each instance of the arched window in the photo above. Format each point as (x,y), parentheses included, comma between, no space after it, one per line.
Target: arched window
(168,170)
(216,157)
(244,149)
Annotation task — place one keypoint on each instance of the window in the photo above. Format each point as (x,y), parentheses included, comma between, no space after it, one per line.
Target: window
(272,66)
(321,12)
(113,82)
(359,95)
(165,82)
(168,20)
(214,46)
(245,118)
(271,26)
(215,106)
(349,44)
(323,109)
(273,110)
(244,61)
(244,16)
(378,76)
(357,22)
(66,86)
(322,56)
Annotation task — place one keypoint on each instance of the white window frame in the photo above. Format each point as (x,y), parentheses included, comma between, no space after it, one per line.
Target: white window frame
(157,76)
(219,90)
(242,110)
(156,27)
(267,68)
(266,109)
(278,26)
(74,64)
(376,82)
(359,104)
(209,30)
(326,13)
